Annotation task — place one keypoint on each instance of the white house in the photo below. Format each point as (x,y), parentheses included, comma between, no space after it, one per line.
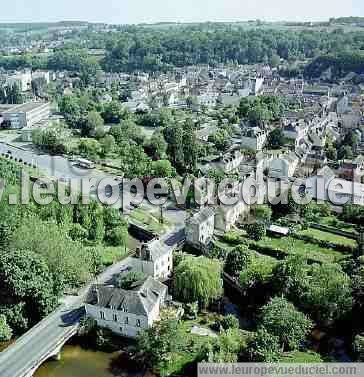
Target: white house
(200,228)
(284,166)
(22,79)
(297,130)
(227,215)
(230,162)
(126,312)
(253,138)
(154,259)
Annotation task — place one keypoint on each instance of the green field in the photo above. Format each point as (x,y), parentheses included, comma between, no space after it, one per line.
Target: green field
(328,237)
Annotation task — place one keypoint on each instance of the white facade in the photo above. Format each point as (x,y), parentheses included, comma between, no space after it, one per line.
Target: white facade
(200,228)
(254,139)
(155,259)
(231,162)
(226,216)
(23,80)
(284,166)
(126,313)
(27,115)
(42,75)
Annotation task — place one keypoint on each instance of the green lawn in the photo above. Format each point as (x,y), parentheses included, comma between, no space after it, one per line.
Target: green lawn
(335,223)
(329,237)
(301,357)
(299,247)
(148,221)
(111,254)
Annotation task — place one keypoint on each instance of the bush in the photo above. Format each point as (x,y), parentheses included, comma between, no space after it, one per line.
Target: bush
(236,260)
(256,231)
(229,322)
(280,318)
(5,330)
(264,347)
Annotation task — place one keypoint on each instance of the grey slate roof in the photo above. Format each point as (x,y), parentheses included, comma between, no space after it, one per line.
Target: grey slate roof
(140,300)
(202,216)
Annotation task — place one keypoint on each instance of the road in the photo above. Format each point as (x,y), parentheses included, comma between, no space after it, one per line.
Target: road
(62,168)
(49,334)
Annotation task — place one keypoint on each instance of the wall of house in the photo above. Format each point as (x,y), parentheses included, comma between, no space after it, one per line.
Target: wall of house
(125,324)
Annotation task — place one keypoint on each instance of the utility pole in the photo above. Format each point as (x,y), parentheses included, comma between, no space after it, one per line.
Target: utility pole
(161,217)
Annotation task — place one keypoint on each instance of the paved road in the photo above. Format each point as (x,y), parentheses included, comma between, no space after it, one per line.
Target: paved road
(26,352)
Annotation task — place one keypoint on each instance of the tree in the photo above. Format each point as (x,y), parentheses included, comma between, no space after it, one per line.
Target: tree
(328,293)
(192,102)
(258,115)
(221,139)
(290,277)
(274,61)
(159,343)
(358,347)
(118,236)
(114,113)
(26,279)
(92,123)
(134,163)
(237,260)
(256,231)
(108,145)
(198,279)
(264,347)
(225,349)
(263,213)
(276,139)
(157,146)
(90,148)
(126,281)
(5,330)
(54,139)
(162,169)
(281,319)
(174,138)
(190,146)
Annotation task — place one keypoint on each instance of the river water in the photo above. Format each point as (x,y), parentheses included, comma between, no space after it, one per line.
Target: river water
(78,362)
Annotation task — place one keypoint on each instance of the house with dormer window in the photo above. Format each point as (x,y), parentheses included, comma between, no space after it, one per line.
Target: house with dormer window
(126,312)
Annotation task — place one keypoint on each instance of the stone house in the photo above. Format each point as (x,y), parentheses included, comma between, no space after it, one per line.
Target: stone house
(126,312)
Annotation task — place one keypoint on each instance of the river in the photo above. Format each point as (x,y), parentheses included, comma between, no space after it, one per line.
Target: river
(78,362)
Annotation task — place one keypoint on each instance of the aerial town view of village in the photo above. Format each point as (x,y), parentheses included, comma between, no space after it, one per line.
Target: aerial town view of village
(180,194)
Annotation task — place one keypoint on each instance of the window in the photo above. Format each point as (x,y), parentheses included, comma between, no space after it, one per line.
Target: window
(138,323)
(115,317)
(102,315)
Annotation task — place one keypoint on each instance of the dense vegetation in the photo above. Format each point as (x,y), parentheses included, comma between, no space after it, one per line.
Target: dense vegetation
(137,48)
(340,64)
(46,250)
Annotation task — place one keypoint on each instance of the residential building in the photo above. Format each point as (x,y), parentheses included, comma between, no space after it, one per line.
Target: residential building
(22,79)
(284,167)
(154,259)
(226,216)
(253,138)
(126,312)
(200,228)
(230,162)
